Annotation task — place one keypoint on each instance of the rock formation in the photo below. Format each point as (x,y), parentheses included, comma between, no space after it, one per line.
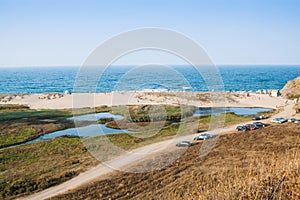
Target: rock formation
(292,89)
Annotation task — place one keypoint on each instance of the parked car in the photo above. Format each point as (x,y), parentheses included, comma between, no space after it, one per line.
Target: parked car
(260,124)
(292,120)
(184,144)
(204,136)
(241,128)
(259,117)
(297,121)
(251,127)
(256,118)
(279,120)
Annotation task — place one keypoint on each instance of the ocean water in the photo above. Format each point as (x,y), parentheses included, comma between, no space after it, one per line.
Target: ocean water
(127,78)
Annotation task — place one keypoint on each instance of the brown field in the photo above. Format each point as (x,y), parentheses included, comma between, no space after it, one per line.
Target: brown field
(260,164)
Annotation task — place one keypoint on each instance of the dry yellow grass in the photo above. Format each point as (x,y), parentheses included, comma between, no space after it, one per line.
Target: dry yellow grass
(260,164)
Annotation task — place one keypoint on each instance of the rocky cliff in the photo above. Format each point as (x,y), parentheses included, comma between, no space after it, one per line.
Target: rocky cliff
(291,89)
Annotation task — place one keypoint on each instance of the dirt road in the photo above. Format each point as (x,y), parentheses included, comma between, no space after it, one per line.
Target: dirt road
(125,160)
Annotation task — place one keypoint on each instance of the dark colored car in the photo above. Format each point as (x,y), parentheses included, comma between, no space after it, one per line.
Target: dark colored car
(251,127)
(256,118)
(241,128)
(259,117)
(297,121)
(184,144)
(292,120)
(260,124)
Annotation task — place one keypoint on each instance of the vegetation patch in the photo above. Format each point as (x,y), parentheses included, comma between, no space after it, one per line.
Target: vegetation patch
(16,132)
(37,166)
(261,165)
(144,133)
(22,135)
(83,111)
(34,114)
(19,124)
(105,120)
(12,107)
(147,113)
(33,167)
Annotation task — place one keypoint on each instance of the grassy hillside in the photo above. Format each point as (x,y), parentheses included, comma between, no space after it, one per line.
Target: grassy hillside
(261,164)
(34,167)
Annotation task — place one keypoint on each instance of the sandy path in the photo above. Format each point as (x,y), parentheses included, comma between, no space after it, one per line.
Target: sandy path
(123,161)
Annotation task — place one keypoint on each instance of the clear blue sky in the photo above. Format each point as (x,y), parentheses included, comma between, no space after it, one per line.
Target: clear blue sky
(64,32)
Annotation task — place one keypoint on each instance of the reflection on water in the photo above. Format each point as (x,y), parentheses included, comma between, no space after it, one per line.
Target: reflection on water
(237,111)
(85,131)
(95,117)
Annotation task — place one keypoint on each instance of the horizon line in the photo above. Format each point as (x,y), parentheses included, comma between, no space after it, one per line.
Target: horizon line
(126,65)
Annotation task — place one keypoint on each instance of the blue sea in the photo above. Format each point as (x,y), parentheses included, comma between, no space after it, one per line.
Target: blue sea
(130,78)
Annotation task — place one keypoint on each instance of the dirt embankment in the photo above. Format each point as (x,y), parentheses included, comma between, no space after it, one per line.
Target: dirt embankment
(291,89)
(261,164)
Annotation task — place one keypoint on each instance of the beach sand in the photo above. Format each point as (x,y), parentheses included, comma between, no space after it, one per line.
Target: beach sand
(199,99)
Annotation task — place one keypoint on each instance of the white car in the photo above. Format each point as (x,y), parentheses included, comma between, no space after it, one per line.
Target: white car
(204,136)
(279,120)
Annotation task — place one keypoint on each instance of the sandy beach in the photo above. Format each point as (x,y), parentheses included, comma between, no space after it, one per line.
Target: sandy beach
(199,99)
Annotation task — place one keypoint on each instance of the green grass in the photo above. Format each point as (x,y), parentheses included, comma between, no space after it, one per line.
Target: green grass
(148,113)
(15,112)
(21,136)
(37,166)
(34,114)
(16,132)
(83,111)
(228,118)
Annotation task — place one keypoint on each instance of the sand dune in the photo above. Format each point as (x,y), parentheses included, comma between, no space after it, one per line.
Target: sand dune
(200,99)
